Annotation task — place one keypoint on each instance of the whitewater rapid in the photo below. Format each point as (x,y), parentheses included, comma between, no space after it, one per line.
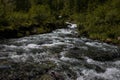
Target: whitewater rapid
(68,52)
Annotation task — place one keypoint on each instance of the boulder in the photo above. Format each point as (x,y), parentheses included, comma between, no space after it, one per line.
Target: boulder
(118,38)
(108,40)
(46,77)
(93,54)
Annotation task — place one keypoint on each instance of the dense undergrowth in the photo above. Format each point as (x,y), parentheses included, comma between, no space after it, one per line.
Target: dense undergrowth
(103,22)
(96,19)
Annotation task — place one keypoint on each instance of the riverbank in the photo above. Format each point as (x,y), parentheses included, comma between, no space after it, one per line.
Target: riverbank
(22,31)
(103,35)
(98,37)
(48,27)
(37,17)
(101,23)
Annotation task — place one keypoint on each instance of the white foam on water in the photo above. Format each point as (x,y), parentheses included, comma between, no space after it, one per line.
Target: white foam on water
(22,40)
(19,58)
(38,57)
(63,58)
(56,61)
(90,60)
(117,62)
(83,47)
(84,39)
(104,46)
(55,37)
(111,46)
(10,46)
(47,45)
(53,44)
(94,44)
(32,46)
(109,74)
(80,78)
(63,53)
(67,22)
(63,31)
(72,26)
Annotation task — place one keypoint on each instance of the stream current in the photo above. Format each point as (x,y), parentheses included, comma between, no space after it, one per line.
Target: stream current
(60,55)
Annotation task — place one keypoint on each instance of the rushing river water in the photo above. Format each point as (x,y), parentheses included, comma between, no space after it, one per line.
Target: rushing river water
(59,55)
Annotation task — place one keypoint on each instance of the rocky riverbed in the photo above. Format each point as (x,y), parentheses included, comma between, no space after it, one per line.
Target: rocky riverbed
(59,55)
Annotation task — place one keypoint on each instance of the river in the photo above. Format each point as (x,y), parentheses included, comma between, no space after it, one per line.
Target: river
(59,55)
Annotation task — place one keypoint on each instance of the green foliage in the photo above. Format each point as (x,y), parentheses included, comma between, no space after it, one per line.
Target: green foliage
(103,22)
(22,5)
(39,13)
(18,19)
(97,19)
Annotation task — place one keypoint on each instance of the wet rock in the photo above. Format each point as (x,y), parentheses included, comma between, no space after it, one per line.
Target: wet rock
(118,38)
(108,40)
(25,71)
(98,78)
(57,76)
(76,53)
(3,54)
(95,67)
(93,53)
(5,67)
(103,56)
(46,77)
(68,71)
(56,49)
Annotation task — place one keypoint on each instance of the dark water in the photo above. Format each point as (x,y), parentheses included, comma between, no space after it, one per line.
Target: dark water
(59,55)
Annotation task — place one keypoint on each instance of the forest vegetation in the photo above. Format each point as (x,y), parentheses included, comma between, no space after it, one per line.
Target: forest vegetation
(96,19)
